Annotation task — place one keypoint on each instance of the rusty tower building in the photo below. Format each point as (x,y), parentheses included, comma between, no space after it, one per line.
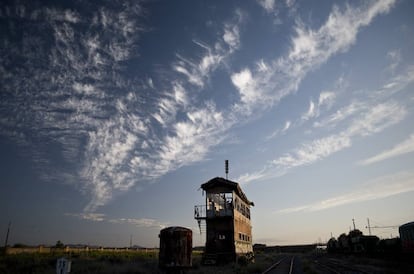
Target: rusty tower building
(226,216)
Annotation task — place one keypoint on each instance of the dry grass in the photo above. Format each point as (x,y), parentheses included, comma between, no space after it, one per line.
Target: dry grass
(121,262)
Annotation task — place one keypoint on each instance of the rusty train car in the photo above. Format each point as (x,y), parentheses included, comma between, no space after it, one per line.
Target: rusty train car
(176,246)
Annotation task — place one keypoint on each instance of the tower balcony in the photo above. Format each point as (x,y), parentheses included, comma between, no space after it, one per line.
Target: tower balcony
(206,212)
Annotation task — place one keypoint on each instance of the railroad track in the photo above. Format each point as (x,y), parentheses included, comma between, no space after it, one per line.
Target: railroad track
(337,267)
(284,265)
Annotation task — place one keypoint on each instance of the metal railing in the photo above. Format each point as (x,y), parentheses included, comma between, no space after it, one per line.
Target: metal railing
(204,212)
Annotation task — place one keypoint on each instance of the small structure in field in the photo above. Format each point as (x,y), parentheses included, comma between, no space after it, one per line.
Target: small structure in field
(63,266)
(176,245)
(226,214)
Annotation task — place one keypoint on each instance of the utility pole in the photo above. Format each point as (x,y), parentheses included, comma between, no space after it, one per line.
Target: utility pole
(369,227)
(130,242)
(7,235)
(381,227)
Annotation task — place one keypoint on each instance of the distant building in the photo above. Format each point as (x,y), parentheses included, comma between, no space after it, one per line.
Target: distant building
(226,215)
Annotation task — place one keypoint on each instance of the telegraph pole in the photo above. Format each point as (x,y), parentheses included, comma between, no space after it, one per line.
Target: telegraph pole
(7,235)
(381,227)
(369,227)
(130,242)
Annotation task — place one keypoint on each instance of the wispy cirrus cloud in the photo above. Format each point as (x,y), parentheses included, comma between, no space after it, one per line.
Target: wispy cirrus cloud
(373,120)
(394,57)
(268,5)
(128,149)
(113,136)
(96,217)
(407,146)
(100,217)
(325,102)
(270,81)
(197,71)
(358,119)
(73,78)
(279,131)
(376,189)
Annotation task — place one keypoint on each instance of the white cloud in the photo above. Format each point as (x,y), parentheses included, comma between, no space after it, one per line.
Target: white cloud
(342,114)
(405,147)
(262,66)
(100,217)
(249,177)
(287,126)
(313,151)
(311,111)
(232,35)
(280,131)
(367,122)
(143,222)
(246,86)
(122,148)
(73,93)
(290,3)
(310,48)
(394,57)
(376,189)
(268,5)
(96,217)
(192,139)
(198,72)
(270,82)
(336,35)
(326,98)
(376,119)
(397,83)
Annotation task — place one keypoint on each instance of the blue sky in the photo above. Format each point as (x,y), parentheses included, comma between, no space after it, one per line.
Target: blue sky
(113,113)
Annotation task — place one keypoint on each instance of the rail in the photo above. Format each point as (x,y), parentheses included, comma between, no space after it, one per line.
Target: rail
(339,267)
(278,264)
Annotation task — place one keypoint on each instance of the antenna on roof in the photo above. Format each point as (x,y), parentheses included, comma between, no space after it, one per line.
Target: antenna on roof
(226,166)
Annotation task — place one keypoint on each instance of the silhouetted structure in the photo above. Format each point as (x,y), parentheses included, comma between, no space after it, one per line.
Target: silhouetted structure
(354,242)
(176,245)
(407,237)
(227,218)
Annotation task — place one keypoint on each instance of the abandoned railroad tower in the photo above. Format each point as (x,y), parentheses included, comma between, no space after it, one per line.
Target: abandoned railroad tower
(226,216)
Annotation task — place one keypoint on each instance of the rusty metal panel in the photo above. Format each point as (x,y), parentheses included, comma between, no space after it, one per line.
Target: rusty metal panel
(176,245)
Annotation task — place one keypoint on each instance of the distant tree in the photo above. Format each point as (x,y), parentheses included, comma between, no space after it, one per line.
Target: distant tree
(59,244)
(19,245)
(332,245)
(343,242)
(355,233)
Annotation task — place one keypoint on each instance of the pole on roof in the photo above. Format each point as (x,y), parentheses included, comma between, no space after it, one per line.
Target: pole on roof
(226,167)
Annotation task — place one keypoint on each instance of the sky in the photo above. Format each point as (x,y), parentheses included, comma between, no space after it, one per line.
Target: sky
(113,113)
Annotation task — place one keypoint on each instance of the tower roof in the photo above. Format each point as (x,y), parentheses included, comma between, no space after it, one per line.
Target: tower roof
(221,182)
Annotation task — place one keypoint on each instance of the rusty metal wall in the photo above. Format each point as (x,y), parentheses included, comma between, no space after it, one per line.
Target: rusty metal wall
(176,245)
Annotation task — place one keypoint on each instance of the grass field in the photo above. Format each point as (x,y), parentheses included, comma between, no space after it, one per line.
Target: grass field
(117,262)
(87,262)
